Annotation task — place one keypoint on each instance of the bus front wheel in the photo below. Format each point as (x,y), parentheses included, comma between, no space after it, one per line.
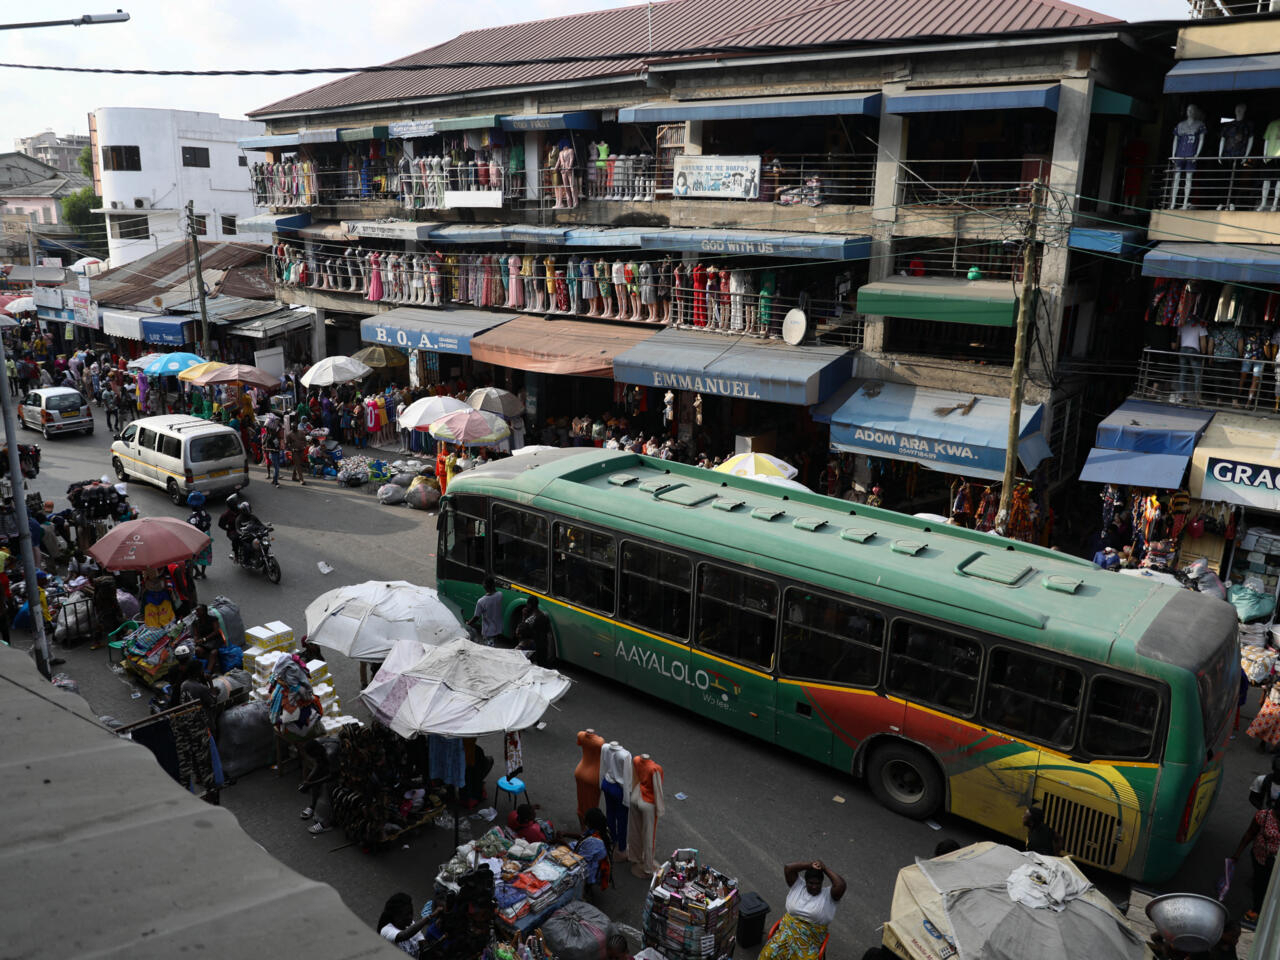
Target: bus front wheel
(906,780)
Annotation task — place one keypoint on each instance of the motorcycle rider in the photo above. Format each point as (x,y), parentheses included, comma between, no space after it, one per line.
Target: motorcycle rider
(228,522)
(246,528)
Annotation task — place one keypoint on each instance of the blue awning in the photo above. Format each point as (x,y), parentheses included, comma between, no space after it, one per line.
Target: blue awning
(734,367)
(532,233)
(1118,243)
(468,233)
(818,246)
(1219,74)
(269,140)
(441,331)
(1128,468)
(1225,262)
(170,330)
(55,313)
(1147,427)
(270,222)
(902,422)
(755,108)
(948,100)
(604,237)
(574,120)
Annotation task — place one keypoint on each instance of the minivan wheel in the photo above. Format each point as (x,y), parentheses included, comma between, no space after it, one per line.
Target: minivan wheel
(119,469)
(175,492)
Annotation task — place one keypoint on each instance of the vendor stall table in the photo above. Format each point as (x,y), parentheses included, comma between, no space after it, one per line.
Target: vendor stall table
(691,912)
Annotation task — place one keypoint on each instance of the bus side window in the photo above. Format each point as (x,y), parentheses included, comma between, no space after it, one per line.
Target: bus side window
(830,641)
(934,667)
(737,614)
(460,552)
(655,590)
(583,567)
(1032,696)
(520,546)
(1121,721)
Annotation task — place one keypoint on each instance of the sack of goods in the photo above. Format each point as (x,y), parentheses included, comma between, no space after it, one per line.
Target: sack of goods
(390,494)
(577,931)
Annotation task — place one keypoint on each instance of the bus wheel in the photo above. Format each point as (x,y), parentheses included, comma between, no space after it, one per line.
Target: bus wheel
(906,780)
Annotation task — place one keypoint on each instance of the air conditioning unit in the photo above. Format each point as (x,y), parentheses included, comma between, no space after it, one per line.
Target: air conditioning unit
(139,203)
(115,204)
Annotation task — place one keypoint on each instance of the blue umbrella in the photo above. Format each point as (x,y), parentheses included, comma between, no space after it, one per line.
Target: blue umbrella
(171,364)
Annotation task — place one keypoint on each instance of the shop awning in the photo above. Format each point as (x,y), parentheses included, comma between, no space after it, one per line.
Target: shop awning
(270,222)
(327,230)
(572,120)
(902,422)
(426,128)
(603,237)
(576,347)
(1225,262)
(389,229)
(123,323)
(170,330)
(467,233)
(274,324)
(818,246)
(1109,103)
(951,99)
(268,140)
(1215,74)
(532,233)
(1162,471)
(441,331)
(989,303)
(735,367)
(377,131)
(1116,243)
(322,135)
(1238,461)
(1149,427)
(754,108)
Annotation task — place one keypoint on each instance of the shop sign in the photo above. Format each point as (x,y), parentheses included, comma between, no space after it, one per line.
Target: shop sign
(904,446)
(393,230)
(84,310)
(1242,482)
(412,128)
(410,339)
(47,297)
(737,178)
(717,386)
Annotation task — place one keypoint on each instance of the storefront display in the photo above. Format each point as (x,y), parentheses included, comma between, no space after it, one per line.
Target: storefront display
(691,912)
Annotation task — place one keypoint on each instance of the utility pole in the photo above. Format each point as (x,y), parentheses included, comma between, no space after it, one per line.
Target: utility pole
(1026,308)
(195,248)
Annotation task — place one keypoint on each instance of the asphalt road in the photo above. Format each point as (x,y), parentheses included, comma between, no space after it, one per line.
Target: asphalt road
(749,808)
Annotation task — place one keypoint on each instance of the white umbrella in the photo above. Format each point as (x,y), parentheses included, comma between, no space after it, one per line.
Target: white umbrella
(460,689)
(495,400)
(21,305)
(142,361)
(780,481)
(420,414)
(333,370)
(533,448)
(364,620)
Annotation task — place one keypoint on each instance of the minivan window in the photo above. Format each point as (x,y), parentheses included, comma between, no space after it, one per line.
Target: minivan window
(171,446)
(146,438)
(128,433)
(216,446)
(61,402)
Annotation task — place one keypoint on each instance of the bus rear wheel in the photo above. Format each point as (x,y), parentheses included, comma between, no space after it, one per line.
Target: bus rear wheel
(906,780)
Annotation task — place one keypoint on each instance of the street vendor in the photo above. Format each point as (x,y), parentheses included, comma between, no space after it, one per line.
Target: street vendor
(206,633)
(811,906)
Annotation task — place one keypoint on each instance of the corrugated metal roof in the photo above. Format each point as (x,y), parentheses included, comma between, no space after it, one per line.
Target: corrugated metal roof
(678,24)
(138,282)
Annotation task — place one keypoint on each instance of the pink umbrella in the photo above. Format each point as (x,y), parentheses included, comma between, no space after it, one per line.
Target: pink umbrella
(470,428)
(148,543)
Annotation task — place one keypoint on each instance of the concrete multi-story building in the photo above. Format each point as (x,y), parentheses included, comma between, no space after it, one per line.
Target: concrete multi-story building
(62,153)
(148,164)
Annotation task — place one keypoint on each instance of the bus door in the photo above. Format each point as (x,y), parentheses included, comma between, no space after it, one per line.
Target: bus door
(584,579)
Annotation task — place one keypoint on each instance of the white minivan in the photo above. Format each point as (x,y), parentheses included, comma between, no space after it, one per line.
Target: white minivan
(56,410)
(180,453)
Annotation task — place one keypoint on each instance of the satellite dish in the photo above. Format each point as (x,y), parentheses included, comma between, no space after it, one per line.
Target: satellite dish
(794,326)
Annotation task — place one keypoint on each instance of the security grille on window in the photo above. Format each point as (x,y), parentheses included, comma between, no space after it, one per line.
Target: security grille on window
(200,224)
(243,160)
(130,227)
(228,225)
(195,156)
(121,158)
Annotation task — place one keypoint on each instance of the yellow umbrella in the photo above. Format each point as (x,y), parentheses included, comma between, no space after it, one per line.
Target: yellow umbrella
(377,356)
(757,465)
(199,370)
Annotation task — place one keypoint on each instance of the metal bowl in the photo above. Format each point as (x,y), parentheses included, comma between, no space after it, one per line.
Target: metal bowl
(1188,921)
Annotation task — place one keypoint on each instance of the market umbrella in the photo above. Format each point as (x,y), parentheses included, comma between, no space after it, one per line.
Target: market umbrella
(148,543)
(83,264)
(420,414)
(142,361)
(364,620)
(378,356)
(241,374)
(757,465)
(470,428)
(194,373)
(778,481)
(333,370)
(20,305)
(495,400)
(460,689)
(171,364)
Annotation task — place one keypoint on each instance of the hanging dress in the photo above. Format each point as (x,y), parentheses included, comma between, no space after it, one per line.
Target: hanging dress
(700,296)
(375,277)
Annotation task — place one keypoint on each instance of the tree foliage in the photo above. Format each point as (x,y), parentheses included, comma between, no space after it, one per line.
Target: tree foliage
(86,161)
(92,227)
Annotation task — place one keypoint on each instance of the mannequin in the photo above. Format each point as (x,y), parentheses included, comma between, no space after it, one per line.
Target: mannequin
(587,282)
(417,284)
(679,295)
(564,162)
(648,292)
(549,264)
(664,272)
(575,287)
(593,177)
(374,293)
(1188,141)
(602,170)
(714,320)
(515,292)
(587,772)
(615,783)
(647,807)
(504,277)
(434,280)
(631,272)
(1269,174)
(737,301)
(618,274)
(1234,144)
(606,288)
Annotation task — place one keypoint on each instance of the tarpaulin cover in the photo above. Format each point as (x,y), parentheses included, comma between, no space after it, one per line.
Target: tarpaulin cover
(460,689)
(364,620)
(558,346)
(1163,471)
(1149,427)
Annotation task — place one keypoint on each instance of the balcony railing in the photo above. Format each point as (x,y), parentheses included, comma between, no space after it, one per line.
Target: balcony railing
(1214,383)
(304,184)
(1213,183)
(971,183)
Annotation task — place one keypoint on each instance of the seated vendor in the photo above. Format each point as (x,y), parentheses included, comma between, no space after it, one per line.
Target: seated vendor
(595,846)
(522,823)
(206,634)
(811,907)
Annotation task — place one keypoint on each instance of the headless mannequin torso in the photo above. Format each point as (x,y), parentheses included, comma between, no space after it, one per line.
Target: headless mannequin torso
(647,806)
(587,772)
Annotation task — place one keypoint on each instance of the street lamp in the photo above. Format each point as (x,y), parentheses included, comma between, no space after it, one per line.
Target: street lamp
(87,20)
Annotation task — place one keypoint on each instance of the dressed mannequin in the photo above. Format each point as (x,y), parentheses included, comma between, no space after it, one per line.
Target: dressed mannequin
(602,169)
(587,772)
(615,783)
(606,287)
(632,273)
(575,285)
(374,260)
(434,281)
(648,292)
(530,284)
(564,162)
(587,284)
(647,807)
(1270,172)
(549,265)
(1235,142)
(618,275)
(714,320)
(664,275)
(515,289)
(680,295)
(1188,141)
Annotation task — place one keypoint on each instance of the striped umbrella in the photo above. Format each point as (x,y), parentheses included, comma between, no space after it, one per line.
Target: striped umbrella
(757,464)
(470,428)
(192,374)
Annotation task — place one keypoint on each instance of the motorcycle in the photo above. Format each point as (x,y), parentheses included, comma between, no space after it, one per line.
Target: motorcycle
(255,550)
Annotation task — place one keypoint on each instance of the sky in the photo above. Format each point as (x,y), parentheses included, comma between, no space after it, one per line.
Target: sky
(249,34)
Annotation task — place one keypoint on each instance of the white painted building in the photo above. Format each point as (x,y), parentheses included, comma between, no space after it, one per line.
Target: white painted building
(147,163)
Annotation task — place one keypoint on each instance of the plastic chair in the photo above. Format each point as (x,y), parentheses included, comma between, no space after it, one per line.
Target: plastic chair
(116,641)
(822,950)
(513,787)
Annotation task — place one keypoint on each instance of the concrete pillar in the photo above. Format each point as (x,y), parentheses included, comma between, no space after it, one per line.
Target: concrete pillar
(318,351)
(891,149)
(693,138)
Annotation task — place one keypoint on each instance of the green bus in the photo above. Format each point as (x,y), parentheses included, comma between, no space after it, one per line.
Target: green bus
(951,669)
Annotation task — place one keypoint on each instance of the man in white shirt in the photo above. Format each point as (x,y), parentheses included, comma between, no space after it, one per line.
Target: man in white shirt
(1193,344)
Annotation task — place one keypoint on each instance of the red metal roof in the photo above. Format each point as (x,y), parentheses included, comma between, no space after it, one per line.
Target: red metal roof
(171,268)
(678,25)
